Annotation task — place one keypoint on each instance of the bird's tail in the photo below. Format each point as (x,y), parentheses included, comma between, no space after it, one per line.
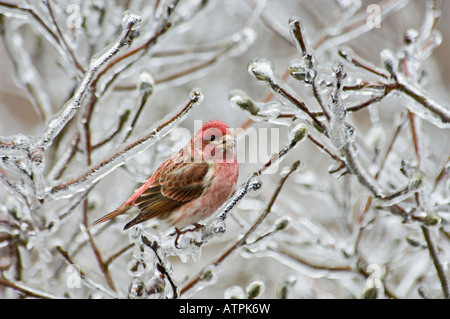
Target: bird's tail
(120,210)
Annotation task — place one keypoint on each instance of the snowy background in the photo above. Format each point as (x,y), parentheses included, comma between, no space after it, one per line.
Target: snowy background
(84,85)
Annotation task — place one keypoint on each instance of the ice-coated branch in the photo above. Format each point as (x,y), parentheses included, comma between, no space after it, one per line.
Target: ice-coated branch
(27,291)
(161,264)
(243,240)
(341,135)
(440,268)
(305,69)
(440,115)
(86,280)
(395,81)
(55,38)
(129,22)
(262,70)
(109,164)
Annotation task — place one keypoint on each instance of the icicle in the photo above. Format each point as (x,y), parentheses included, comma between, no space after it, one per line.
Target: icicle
(137,289)
(156,288)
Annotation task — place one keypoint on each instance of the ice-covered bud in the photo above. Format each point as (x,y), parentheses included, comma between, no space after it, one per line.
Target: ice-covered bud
(262,70)
(218,227)
(254,184)
(282,224)
(234,292)
(416,176)
(196,96)
(302,70)
(38,166)
(413,241)
(255,289)
(209,274)
(416,180)
(370,293)
(146,82)
(298,133)
(432,219)
(239,99)
(131,20)
(389,61)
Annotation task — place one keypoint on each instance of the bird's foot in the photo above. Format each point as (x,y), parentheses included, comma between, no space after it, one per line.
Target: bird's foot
(184,231)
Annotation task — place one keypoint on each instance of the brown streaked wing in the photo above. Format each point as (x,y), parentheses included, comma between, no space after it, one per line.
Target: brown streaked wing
(179,184)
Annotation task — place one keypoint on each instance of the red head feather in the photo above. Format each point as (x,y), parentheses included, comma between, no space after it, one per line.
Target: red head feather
(216,124)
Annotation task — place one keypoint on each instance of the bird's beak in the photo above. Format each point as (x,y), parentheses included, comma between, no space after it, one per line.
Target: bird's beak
(227,143)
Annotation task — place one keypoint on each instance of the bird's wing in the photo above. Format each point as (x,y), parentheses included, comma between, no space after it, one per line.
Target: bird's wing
(175,185)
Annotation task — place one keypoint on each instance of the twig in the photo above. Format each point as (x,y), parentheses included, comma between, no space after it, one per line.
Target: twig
(98,256)
(27,291)
(62,40)
(285,253)
(437,263)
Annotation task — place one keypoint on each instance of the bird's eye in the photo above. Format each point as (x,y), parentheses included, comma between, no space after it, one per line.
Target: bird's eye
(212,138)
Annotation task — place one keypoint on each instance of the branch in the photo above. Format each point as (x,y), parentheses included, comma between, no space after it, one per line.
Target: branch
(440,268)
(108,165)
(70,108)
(83,276)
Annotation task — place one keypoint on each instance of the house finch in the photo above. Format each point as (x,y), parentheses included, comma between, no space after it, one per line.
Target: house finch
(189,186)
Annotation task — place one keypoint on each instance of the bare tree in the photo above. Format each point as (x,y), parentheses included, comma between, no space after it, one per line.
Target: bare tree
(342,120)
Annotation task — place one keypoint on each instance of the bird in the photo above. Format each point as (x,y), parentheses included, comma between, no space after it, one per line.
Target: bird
(190,185)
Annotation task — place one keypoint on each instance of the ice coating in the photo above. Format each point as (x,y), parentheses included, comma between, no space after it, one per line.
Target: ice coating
(262,70)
